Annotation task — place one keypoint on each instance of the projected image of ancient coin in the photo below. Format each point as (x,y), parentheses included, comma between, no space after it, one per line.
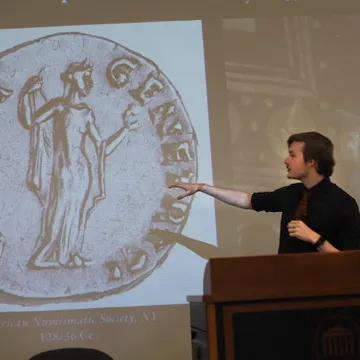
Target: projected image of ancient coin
(92,133)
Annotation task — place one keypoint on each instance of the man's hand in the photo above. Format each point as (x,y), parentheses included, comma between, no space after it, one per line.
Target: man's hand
(300,230)
(189,189)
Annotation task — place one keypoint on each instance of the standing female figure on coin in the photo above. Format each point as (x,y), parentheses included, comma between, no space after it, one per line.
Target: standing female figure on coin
(60,171)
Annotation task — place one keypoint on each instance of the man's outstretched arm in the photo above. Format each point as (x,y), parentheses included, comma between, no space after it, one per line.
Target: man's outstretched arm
(228,196)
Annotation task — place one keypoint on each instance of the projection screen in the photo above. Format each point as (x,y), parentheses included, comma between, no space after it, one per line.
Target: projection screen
(102,107)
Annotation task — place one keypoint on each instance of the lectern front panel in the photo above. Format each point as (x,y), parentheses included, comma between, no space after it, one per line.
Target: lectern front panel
(298,334)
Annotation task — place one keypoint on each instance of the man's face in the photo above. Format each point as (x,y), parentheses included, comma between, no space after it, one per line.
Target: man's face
(297,168)
(84,82)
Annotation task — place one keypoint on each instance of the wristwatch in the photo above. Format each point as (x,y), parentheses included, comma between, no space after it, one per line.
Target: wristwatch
(320,242)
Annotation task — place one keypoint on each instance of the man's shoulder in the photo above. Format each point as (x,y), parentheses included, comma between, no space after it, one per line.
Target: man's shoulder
(341,194)
(280,192)
(294,187)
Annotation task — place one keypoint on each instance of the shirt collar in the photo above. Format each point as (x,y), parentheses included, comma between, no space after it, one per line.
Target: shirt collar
(319,187)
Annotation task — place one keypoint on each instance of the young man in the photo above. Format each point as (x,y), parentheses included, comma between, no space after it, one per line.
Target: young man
(317,215)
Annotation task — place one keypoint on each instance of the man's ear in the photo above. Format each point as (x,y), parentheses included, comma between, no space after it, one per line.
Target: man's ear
(312,163)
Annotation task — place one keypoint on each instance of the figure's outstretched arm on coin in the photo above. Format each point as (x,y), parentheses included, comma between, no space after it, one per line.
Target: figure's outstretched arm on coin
(114,140)
(130,123)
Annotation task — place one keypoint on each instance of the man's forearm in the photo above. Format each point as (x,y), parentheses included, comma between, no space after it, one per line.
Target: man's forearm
(326,247)
(231,197)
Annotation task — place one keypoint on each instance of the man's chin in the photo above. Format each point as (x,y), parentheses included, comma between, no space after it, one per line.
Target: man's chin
(289,176)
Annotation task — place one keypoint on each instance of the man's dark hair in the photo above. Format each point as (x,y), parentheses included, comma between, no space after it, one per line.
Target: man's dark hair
(317,147)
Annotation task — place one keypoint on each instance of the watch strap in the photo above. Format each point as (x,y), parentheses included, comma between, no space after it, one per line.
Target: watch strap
(320,241)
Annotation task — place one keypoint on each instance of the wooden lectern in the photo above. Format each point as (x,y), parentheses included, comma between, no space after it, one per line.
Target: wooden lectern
(282,307)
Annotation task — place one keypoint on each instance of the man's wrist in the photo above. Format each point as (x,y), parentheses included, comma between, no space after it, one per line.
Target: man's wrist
(201,186)
(318,240)
(314,238)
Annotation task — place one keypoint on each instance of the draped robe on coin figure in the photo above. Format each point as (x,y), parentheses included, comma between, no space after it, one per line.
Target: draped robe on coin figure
(60,172)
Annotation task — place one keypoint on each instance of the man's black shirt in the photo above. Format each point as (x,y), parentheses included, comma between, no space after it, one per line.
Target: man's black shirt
(331,212)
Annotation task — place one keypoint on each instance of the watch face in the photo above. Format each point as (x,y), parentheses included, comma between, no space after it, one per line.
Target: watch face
(92,134)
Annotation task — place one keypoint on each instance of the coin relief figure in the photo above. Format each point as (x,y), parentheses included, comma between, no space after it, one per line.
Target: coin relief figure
(64,193)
